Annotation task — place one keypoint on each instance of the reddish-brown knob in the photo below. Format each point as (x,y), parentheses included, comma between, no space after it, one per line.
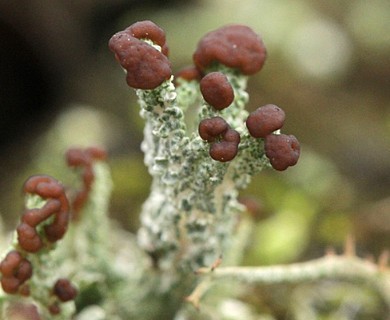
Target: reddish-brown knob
(217,90)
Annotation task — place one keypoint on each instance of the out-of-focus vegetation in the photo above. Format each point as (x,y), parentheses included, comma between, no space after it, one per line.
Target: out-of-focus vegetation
(328,67)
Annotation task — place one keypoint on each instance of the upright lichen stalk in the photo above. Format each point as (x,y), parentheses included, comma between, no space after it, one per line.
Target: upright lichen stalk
(197,169)
(193,201)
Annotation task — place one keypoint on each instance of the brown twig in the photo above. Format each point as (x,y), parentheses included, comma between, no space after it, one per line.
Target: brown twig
(83,158)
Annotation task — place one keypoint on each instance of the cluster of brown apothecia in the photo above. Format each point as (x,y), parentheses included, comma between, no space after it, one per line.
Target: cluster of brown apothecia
(282,150)
(223,140)
(238,47)
(56,205)
(16,269)
(235,46)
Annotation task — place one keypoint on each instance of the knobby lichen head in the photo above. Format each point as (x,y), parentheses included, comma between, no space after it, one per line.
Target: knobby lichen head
(282,150)
(235,46)
(223,140)
(147,67)
(15,270)
(217,90)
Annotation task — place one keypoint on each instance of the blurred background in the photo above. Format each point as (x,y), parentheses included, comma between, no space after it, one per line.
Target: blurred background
(328,67)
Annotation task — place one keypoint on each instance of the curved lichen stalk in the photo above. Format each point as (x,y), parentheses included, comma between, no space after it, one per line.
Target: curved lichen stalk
(46,252)
(43,225)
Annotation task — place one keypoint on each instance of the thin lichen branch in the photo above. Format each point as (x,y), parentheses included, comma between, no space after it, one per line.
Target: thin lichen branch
(340,267)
